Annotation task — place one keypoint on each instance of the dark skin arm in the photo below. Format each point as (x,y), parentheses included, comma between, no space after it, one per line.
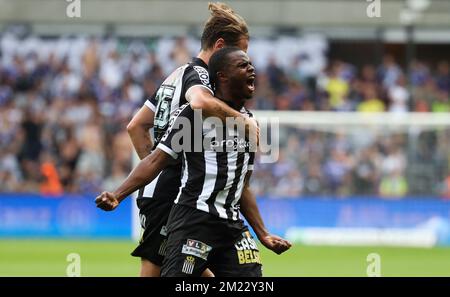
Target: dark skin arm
(250,210)
(200,98)
(146,171)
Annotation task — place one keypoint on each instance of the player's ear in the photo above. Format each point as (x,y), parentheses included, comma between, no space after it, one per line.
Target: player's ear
(220,43)
(221,76)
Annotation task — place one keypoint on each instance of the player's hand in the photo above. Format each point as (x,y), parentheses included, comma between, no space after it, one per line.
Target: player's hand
(107,201)
(275,243)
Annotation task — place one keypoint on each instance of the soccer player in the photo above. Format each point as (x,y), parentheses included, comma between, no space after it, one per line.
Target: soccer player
(189,83)
(204,226)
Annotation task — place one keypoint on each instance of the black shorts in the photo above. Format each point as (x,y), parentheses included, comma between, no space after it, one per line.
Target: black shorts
(198,240)
(153,215)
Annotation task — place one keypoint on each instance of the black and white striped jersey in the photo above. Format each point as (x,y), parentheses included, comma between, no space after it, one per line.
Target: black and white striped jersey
(166,100)
(213,175)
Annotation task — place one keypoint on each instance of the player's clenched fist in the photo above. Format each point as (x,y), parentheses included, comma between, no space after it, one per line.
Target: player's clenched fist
(275,243)
(106,201)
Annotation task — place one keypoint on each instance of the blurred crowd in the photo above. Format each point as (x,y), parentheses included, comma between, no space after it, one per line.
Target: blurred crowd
(342,86)
(352,162)
(65,104)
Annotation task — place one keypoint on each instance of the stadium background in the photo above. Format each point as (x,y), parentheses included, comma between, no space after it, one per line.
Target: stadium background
(362,104)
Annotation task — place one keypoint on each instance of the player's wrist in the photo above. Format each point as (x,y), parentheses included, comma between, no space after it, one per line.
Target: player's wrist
(262,233)
(118,197)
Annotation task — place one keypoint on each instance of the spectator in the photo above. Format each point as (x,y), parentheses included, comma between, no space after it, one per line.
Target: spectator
(337,89)
(393,185)
(441,104)
(371,102)
(389,72)
(398,96)
(443,76)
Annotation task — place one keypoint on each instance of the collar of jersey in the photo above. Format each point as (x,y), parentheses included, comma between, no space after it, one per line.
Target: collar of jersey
(199,61)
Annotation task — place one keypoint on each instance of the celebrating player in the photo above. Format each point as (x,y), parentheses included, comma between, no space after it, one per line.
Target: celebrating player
(189,83)
(204,227)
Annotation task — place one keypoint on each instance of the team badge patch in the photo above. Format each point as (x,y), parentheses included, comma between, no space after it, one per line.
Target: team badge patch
(188,265)
(196,248)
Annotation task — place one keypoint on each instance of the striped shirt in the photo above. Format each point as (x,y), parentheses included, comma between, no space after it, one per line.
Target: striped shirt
(213,177)
(167,99)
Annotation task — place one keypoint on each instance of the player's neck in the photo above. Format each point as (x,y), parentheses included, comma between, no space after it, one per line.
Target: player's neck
(204,56)
(232,101)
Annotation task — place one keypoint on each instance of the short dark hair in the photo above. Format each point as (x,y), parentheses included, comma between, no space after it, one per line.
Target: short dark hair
(218,62)
(223,23)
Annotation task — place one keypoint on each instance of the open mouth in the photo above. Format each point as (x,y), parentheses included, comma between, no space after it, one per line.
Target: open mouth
(251,82)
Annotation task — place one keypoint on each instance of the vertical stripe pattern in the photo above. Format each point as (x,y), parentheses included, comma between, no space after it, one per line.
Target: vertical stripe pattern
(213,181)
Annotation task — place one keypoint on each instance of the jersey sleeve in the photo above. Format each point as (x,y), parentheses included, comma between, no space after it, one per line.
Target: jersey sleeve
(180,119)
(151,102)
(196,76)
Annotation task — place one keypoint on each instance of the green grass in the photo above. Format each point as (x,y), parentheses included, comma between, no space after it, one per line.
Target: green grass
(111,258)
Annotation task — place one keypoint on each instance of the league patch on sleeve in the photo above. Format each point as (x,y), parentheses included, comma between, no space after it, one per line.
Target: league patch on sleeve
(196,248)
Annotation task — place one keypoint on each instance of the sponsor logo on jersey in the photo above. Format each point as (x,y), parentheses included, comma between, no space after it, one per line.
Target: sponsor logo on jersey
(203,75)
(247,250)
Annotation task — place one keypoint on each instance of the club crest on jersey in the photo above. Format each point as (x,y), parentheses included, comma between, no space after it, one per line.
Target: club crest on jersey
(188,265)
(203,74)
(196,248)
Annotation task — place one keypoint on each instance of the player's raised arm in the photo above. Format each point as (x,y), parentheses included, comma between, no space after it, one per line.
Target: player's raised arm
(250,210)
(147,170)
(138,130)
(201,98)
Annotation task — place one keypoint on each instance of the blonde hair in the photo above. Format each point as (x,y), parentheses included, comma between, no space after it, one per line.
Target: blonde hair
(223,23)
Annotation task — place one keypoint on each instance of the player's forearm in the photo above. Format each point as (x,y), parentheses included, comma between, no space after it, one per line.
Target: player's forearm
(138,130)
(213,107)
(200,98)
(145,172)
(142,141)
(250,210)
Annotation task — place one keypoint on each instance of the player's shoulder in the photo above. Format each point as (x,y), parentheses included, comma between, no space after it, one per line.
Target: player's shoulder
(246,111)
(198,69)
(175,75)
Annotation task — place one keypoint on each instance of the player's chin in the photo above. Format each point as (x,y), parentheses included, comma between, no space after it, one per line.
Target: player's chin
(249,94)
